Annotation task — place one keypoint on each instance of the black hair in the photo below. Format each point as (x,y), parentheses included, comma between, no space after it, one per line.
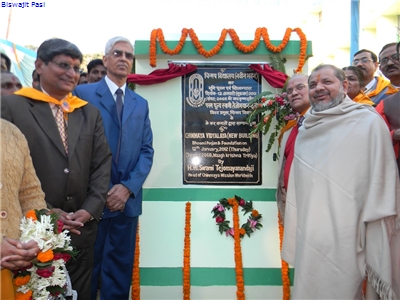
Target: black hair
(94,63)
(387,46)
(7,59)
(373,55)
(53,47)
(358,72)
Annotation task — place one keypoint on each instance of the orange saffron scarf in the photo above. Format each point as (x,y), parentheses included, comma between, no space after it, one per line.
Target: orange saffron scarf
(289,125)
(380,85)
(69,104)
(361,98)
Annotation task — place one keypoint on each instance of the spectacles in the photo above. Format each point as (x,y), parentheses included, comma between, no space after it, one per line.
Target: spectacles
(298,88)
(66,66)
(118,53)
(394,58)
(363,60)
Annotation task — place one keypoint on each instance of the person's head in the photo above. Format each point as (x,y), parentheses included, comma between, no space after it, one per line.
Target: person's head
(389,63)
(58,64)
(83,78)
(35,79)
(9,83)
(355,78)
(327,86)
(297,92)
(96,70)
(5,62)
(367,61)
(118,58)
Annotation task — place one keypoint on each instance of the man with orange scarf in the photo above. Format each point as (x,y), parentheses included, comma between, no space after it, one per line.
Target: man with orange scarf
(69,150)
(297,93)
(376,87)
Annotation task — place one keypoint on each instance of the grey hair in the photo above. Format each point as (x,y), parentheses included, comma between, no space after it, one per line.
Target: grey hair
(111,42)
(339,73)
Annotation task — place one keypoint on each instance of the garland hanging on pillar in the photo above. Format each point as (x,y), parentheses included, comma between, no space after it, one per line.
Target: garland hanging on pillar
(136,271)
(157,34)
(186,254)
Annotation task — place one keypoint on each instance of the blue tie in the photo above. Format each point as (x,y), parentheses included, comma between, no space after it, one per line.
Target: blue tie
(120,107)
(119,104)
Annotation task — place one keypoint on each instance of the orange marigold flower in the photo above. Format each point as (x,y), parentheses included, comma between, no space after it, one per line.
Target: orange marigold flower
(22,280)
(242,231)
(26,296)
(31,215)
(255,213)
(45,256)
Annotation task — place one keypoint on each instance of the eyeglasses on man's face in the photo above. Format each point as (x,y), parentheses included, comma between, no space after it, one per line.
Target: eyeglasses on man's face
(394,58)
(363,60)
(298,88)
(119,53)
(66,66)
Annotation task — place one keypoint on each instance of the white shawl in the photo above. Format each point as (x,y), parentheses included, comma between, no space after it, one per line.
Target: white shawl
(342,186)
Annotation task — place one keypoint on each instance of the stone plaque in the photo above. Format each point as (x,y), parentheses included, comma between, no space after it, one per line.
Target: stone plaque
(217,149)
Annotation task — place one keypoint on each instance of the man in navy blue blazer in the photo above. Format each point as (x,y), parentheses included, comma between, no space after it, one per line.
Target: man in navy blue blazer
(127,127)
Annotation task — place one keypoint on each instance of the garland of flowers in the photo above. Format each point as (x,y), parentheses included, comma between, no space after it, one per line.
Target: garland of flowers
(47,276)
(285,265)
(186,254)
(238,254)
(265,107)
(253,222)
(260,32)
(135,290)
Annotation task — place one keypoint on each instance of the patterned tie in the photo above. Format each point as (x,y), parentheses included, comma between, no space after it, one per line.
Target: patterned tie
(61,127)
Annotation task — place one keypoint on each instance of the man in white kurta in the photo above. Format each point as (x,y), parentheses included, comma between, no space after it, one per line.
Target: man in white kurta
(343,197)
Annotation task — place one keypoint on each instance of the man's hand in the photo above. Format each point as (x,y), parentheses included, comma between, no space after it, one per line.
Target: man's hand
(396,136)
(117,197)
(16,255)
(73,221)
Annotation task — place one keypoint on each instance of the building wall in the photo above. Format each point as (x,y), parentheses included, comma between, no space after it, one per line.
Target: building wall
(162,223)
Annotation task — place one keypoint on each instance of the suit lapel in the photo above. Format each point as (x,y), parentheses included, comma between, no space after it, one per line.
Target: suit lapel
(75,120)
(44,116)
(107,100)
(129,104)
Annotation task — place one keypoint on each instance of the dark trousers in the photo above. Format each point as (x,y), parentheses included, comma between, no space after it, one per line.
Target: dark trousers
(113,257)
(80,272)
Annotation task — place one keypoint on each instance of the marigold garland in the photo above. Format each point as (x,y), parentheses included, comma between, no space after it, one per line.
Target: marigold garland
(260,32)
(253,222)
(45,256)
(24,296)
(135,290)
(285,265)
(21,280)
(186,253)
(238,254)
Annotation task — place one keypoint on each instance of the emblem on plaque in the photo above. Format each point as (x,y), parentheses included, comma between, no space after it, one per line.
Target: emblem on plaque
(196,91)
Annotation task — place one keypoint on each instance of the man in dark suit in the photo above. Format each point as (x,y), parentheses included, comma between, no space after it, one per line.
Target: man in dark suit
(69,150)
(127,127)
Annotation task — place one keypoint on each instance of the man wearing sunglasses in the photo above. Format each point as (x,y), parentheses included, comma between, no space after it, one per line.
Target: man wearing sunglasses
(127,127)
(69,150)
(376,87)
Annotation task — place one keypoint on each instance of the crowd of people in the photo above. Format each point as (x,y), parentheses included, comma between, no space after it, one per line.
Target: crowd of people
(338,190)
(91,150)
